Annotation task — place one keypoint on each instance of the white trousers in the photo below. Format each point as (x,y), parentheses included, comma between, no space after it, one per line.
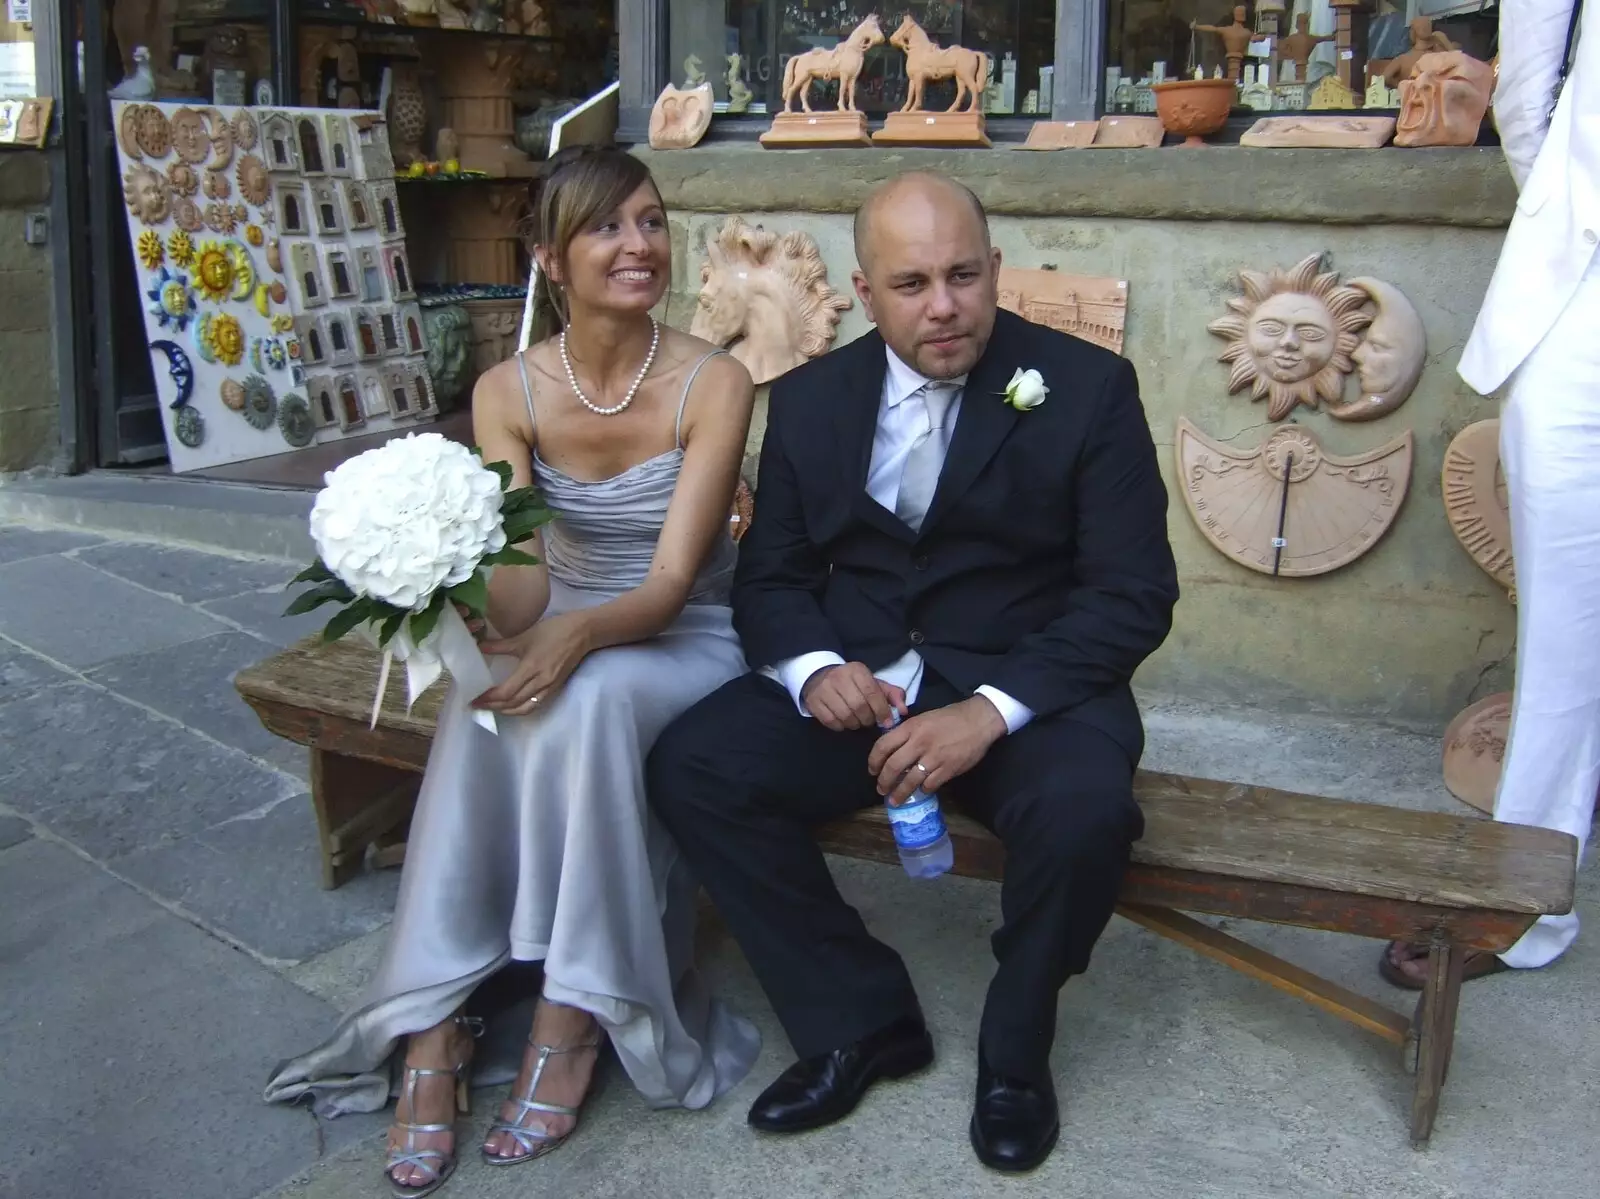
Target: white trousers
(1550,451)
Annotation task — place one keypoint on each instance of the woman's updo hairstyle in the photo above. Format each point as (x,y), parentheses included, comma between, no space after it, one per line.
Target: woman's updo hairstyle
(577,187)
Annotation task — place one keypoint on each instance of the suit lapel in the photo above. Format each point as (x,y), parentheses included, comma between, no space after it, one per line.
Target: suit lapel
(856,427)
(982,424)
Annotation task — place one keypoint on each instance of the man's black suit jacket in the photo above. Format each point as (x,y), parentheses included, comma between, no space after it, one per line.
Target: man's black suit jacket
(1042,567)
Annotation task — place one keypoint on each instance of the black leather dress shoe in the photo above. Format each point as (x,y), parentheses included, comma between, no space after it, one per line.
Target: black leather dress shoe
(1014,1123)
(827,1087)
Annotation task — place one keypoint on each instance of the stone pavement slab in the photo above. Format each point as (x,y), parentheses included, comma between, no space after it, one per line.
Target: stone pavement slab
(136,1047)
(22,670)
(189,575)
(13,831)
(17,543)
(113,778)
(1178,1078)
(193,683)
(82,617)
(262,612)
(258,879)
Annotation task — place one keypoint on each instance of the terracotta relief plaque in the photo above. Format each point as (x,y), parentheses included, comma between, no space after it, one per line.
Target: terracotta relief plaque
(1288,507)
(1091,308)
(766,296)
(1128,133)
(1474,748)
(1060,135)
(1291,335)
(1360,133)
(680,118)
(1475,500)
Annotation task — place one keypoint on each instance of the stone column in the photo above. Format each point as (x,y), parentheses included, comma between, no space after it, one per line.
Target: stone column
(1080,55)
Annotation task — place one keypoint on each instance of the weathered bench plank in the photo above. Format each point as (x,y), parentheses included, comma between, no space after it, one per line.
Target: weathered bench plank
(1452,882)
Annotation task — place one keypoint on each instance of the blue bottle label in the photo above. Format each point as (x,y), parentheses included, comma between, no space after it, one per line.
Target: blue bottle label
(917,823)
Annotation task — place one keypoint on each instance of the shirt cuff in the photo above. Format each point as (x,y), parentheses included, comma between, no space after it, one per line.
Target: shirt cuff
(1015,715)
(793,673)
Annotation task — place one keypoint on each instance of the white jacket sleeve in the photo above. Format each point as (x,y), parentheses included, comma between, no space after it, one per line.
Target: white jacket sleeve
(1533,38)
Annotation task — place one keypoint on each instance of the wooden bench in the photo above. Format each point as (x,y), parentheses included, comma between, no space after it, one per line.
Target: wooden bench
(1454,883)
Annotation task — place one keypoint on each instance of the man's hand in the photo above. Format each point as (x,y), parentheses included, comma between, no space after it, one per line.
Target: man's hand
(849,697)
(929,750)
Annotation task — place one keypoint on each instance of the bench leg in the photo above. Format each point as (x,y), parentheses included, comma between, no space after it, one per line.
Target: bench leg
(356,803)
(1435,1025)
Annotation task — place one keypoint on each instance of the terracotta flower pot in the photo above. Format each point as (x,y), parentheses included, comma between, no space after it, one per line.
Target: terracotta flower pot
(1192,108)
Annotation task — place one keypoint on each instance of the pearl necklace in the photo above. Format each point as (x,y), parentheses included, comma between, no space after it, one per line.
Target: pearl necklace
(572,378)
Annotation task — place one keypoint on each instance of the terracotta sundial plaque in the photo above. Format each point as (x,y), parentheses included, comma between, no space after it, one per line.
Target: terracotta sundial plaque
(1128,133)
(1357,133)
(1474,747)
(1091,308)
(1475,500)
(1288,507)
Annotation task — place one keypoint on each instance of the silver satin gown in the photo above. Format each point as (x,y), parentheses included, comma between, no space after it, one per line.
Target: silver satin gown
(536,844)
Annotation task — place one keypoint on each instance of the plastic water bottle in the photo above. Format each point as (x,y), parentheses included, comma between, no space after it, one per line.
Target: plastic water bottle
(920,834)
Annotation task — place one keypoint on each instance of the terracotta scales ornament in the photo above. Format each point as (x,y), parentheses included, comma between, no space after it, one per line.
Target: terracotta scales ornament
(928,62)
(766,296)
(1288,508)
(680,117)
(844,126)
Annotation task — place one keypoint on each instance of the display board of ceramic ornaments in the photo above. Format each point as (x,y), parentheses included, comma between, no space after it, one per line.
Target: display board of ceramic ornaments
(273,277)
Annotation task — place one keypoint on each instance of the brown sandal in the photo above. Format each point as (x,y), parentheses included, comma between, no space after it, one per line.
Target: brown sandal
(1478,964)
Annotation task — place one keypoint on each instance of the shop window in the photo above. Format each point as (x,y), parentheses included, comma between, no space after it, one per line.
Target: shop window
(743,49)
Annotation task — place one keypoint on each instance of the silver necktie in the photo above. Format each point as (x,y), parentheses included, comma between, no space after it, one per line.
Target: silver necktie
(926,457)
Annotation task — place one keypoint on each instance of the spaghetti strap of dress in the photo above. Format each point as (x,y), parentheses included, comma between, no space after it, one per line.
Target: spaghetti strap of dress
(677,429)
(527,388)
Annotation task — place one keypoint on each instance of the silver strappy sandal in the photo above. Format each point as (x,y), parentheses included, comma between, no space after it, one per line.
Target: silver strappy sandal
(532,1142)
(436,1164)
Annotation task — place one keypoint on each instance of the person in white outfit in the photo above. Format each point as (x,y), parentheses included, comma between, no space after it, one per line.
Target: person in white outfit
(1537,329)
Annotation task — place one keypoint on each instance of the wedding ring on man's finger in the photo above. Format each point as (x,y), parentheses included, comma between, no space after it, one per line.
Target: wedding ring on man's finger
(922,768)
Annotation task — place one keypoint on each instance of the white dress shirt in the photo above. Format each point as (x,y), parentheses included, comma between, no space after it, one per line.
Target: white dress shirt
(902,419)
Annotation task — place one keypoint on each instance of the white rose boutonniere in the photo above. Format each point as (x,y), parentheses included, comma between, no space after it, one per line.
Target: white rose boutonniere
(1026,390)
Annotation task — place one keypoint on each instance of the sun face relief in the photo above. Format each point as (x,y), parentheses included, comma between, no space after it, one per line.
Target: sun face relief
(1291,336)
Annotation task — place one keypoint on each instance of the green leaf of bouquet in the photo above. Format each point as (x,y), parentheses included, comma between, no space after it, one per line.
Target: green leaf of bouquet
(315,573)
(333,592)
(391,626)
(474,592)
(422,623)
(511,556)
(348,619)
(503,469)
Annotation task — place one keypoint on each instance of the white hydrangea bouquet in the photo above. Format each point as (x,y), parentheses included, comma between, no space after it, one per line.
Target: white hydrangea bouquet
(406,532)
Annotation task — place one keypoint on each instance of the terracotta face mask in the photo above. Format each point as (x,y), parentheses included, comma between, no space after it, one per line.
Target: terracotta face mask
(1443,103)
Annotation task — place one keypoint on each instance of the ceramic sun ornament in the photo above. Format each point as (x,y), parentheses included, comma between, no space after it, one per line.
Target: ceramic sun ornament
(213,272)
(152,131)
(180,248)
(220,218)
(189,427)
(181,178)
(151,251)
(221,338)
(255,185)
(244,129)
(173,305)
(1291,336)
(187,216)
(260,403)
(217,186)
(145,195)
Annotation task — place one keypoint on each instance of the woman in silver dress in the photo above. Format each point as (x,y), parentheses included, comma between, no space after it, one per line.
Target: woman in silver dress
(536,844)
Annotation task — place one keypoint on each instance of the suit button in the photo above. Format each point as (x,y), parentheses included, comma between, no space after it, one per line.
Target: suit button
(916,637)
(1588,236)
(922,562)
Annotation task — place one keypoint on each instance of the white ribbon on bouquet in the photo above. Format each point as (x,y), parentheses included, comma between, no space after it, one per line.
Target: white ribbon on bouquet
(450,647)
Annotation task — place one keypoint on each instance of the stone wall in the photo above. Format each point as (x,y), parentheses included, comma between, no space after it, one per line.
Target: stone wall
(29,405)
(1412,631)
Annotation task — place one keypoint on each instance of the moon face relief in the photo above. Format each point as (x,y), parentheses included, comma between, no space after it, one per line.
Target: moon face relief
(219,133)
(1389,358)
(1333,509)
(179,369)
(1476,502)
(1291,335)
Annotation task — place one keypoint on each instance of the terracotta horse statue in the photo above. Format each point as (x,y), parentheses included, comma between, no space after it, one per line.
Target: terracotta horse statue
(926,60)
(843,63)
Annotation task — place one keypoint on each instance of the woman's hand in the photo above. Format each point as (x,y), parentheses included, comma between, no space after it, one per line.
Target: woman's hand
(475,624)
(548,652)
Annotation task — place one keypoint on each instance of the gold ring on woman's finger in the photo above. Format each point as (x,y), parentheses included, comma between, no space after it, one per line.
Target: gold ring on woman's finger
(922,768)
